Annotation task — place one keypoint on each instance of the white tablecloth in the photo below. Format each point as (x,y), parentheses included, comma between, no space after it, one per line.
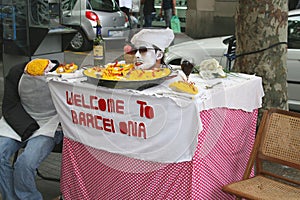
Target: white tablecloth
(151,124)
(236,91)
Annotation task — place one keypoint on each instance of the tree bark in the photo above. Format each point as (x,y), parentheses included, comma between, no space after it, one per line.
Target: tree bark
(261,36)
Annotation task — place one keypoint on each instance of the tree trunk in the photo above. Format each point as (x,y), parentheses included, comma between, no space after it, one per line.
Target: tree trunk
(261,36)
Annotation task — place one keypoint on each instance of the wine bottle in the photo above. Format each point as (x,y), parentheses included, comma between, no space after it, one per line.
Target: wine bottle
(99,47)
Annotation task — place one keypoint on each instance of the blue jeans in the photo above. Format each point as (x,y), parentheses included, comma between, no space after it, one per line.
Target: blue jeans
(168,16)
(18,182)
(148,20)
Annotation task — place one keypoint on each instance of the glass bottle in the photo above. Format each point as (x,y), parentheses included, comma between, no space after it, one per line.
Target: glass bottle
(99,47)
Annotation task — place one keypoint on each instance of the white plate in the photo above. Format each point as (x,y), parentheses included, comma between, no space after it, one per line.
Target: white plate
(175,67)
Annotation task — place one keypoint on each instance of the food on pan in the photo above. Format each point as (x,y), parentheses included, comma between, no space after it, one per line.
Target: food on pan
(149,74)
(116,71)
(125,72)
(66,68)
(184,86)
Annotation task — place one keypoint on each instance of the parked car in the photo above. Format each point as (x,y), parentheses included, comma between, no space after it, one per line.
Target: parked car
(83,14)
(218,47)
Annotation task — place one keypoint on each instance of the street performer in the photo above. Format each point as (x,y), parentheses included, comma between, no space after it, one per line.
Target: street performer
(29,121)
(148,47)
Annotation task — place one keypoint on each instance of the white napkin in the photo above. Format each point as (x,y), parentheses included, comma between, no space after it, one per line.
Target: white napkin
(163,90)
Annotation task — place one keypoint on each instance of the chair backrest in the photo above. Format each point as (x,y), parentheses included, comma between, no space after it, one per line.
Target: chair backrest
(278,142)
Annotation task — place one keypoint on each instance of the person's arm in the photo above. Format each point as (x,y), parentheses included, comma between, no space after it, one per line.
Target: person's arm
(13,111)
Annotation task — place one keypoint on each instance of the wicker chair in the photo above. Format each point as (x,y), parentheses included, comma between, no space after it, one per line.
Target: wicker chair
(277,143)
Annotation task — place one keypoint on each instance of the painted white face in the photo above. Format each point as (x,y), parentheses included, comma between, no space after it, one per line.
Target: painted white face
(145,57)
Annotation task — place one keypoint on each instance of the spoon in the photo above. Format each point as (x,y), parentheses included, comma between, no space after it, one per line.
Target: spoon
(213,85)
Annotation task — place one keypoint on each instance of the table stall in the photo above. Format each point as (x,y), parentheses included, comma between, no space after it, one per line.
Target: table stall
(156,143)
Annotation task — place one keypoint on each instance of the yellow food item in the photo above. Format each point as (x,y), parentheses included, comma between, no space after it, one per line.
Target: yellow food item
(116,71)
(150,74)
(126,72)
(184,86)
(37,67)
(67,68)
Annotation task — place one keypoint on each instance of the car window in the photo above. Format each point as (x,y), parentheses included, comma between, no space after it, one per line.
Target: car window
(88,5)
(104,5)
(294,32)
(68,4)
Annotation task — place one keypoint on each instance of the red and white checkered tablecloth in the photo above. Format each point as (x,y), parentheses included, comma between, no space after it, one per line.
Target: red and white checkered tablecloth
(223,149)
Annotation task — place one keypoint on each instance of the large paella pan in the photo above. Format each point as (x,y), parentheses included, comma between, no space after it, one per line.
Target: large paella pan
(124,76)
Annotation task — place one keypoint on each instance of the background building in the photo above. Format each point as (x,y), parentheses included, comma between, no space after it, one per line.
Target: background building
(206,18)
(202,18)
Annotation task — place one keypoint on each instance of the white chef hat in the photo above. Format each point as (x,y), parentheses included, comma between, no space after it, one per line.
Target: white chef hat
(160,38)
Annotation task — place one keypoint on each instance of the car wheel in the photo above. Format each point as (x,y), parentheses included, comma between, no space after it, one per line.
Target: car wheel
(80,42)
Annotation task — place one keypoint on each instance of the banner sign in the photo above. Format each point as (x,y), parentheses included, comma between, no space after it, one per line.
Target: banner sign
(119,121)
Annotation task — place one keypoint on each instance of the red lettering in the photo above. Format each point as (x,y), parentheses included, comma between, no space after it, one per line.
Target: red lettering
(149,112)
(95,103)
(93,121)
(123,127)
(91,102)
(83,102)
(97,119)
(112,125)
(142,104)
(81,117)
(77,99)
(134,129)
(74,117)
(69,99)
(120,106)
(142,130)
(107,125)
(102,104)
(110,105)
(90,120)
